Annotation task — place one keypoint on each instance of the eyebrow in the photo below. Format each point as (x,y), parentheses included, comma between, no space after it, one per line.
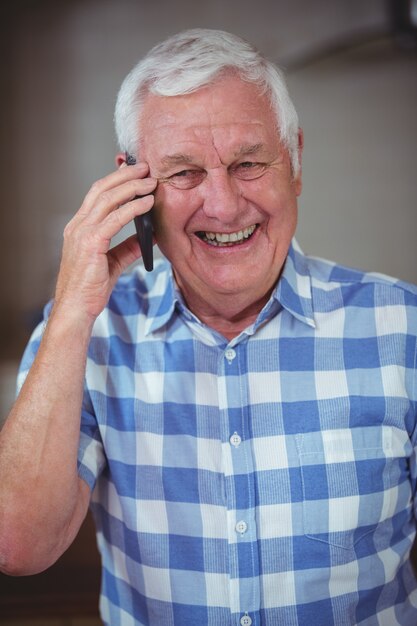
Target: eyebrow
(181,158)
(177,159)
(247,149)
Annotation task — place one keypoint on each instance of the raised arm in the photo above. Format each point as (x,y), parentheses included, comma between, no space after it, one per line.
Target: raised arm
(42,500)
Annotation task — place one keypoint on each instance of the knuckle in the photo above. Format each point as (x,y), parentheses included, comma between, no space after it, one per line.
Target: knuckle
(116,217)
(97,186)
(68,230)
(104,197)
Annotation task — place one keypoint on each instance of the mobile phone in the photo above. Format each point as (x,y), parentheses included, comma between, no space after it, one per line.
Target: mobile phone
(144,229)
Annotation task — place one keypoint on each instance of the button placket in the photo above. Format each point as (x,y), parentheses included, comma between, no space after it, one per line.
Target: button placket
(234,397)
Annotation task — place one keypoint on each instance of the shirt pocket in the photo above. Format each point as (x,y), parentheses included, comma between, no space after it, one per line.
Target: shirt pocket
(350,481)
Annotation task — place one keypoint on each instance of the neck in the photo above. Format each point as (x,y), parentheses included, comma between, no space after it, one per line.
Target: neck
(228,314)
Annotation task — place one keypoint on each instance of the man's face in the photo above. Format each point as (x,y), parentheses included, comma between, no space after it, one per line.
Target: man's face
(226,209)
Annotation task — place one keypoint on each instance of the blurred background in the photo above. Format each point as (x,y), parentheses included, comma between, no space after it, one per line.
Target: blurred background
(351,69)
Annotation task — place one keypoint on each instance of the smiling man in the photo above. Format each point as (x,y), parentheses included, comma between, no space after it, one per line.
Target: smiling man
(242,419)
(225,209)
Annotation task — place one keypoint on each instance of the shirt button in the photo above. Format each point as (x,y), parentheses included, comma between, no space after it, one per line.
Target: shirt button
(235,440)
(241,527)
(246,620)
(230,354)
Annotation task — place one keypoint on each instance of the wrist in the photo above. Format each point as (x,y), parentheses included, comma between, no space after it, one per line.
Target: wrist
(70,319)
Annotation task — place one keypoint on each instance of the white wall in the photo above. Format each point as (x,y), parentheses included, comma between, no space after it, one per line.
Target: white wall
(358,110)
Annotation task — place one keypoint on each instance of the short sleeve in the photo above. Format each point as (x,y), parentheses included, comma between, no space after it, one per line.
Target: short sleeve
(91,457)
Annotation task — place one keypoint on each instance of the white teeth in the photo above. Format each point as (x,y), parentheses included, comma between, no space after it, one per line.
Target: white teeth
(228,238)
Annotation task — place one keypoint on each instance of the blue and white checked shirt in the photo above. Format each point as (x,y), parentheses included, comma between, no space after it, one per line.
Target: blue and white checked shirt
(268,480)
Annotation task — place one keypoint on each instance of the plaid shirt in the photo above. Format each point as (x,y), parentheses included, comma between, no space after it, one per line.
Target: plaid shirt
(268,480)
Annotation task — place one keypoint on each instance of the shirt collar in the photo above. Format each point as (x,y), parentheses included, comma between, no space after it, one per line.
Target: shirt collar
(293,290)
(293,293)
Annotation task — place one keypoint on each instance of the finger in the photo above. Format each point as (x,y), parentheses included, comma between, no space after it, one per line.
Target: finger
(109,182)
(122,255)
(112,199)
(117,177)
(119,218)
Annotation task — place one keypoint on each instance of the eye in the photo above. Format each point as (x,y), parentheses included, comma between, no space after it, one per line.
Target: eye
(183,173)
(186,179)
(248,170)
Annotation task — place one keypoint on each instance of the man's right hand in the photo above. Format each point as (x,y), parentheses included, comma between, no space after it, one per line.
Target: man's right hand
(89,268)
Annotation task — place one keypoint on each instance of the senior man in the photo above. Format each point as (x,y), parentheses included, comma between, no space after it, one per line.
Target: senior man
(242,419)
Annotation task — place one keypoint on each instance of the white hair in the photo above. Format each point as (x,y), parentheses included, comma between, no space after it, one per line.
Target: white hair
(191,60)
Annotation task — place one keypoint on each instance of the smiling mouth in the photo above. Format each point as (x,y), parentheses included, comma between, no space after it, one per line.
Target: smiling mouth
(226,239)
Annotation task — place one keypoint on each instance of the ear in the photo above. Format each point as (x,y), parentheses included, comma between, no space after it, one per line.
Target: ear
(120,159)
(298,180)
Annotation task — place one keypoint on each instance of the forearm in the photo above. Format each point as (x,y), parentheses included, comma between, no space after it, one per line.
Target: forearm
(39,487)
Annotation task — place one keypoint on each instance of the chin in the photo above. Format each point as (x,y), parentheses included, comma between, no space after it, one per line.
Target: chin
(234,283)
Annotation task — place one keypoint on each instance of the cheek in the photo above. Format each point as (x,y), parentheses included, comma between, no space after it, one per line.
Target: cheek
(162,211)
(274,201)
(170,219)
(173,209)
(267,190)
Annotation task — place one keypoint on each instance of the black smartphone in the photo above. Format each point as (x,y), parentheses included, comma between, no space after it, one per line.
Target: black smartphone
(144,229)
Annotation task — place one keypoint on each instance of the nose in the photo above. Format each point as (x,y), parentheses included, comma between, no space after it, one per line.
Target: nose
(223,200)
